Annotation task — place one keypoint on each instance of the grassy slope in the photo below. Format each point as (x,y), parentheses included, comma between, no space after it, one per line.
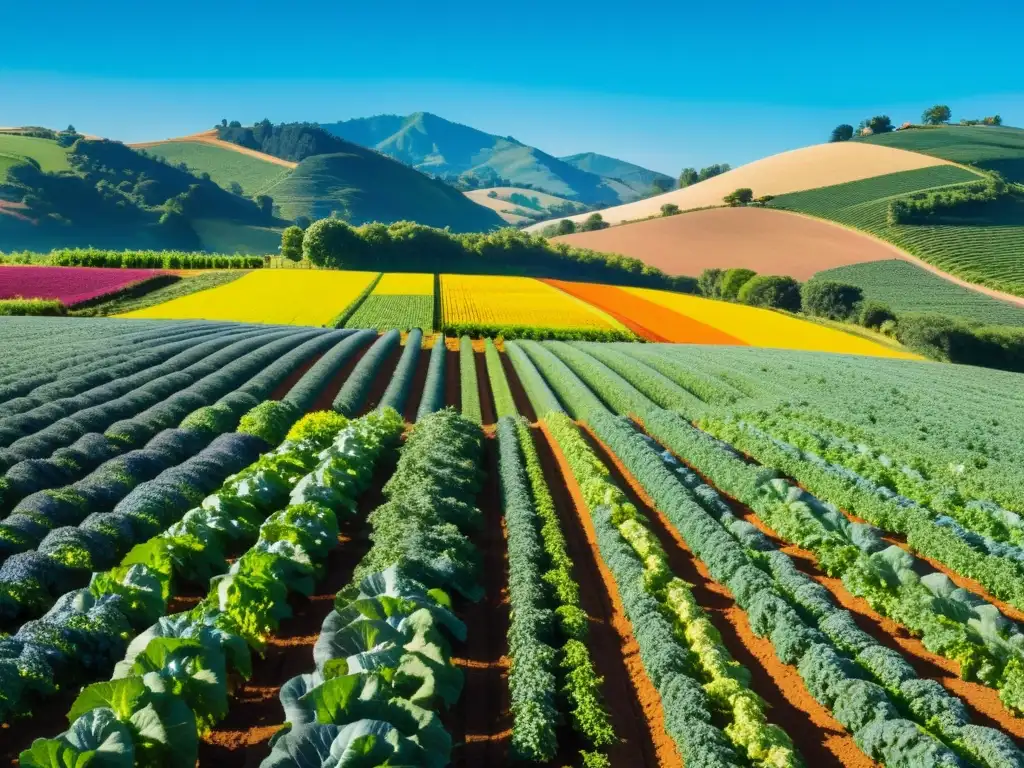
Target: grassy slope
(49,154)
(223,165)
(905,287)
(365,186)
(220,236)
(990,147)
(637,177)
(983,246)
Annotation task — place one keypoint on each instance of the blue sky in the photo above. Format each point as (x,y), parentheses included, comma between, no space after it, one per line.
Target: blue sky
(660,84)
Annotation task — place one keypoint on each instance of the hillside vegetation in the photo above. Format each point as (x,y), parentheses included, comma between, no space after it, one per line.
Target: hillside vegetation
(520,206)
(799,169)
(47,154)
(905,287)
(478,159)
(112,196)
(335,176)
(994,148)
(634,176)
(225,167)
(980,242)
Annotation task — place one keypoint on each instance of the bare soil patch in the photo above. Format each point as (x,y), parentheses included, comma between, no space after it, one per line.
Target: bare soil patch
(519,396)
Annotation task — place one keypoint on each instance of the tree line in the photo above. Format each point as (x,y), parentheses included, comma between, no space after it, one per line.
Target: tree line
(939,114)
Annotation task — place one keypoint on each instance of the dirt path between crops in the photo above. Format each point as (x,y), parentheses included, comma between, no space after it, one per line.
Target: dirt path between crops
(292,379)
(452,385)
(330,391)
(483,384)
(481,721)
(519,396)
(790,705)
(982,702)
(240,741)
(631,699)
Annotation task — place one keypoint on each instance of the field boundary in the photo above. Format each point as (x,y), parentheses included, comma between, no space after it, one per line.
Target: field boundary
(210,138)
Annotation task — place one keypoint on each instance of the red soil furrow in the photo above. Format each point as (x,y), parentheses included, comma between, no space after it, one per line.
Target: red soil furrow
(418,380)
(633,703)
(383,376)
(293,378)
(790,705)
(481,723)
(483,384)
(452,391)
(240,741)
(326,398)
(982,702)
(645,318)
(519,396)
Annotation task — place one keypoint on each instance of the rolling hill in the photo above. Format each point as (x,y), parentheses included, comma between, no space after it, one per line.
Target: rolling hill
(520,206)
(799,169)
(225,164)
(359,184)
(440,147)
(994,148)
(633,175)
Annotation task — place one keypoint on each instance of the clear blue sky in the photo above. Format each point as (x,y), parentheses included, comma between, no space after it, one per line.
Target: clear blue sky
(658,83)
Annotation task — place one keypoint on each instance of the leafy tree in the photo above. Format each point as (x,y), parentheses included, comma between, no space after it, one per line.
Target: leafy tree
(733,280)
(660,186)
(332,243)
(710,283)
(224,123)
(291,243)
(842,132)
(687,177)
(713,170)
(873,314)
(994,120)
(592,222)
(936,115)
(771,291)
(829,298)
(266,204)
(741,196)
(565,227)
(669,209)
(876,124)
(70,129)
(236,188)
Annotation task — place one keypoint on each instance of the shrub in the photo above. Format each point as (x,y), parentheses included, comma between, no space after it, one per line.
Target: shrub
(874,314)
(269,420)
(828,298)
(291,243)
(669,209)
(565,227)
(592,222)
(740,196)
(9,307)
(952,340)
(733,280)
(773,291)
(710,283)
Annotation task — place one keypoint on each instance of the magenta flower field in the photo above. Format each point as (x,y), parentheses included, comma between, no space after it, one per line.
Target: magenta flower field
(72,285)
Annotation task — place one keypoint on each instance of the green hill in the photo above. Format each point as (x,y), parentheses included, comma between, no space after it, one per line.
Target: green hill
(109,195)
(979,242)
(224,166)
(905,287)
(635,176)
(994,148)
(362,185)
(47,154)
(458,152)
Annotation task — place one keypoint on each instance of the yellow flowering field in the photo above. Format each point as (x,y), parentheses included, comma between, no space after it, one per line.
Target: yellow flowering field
(405,284)
(498,304)
(765,328)
(280,297)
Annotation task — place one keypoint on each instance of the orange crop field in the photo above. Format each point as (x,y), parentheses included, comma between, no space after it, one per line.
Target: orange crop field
(646,319)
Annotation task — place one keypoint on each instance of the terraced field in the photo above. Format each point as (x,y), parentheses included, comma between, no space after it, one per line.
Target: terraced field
(632,555)
(225,166)
(982,248)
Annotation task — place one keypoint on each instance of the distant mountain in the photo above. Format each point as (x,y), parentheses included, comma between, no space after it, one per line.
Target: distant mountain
(360,184)
(450,150)
(635,176)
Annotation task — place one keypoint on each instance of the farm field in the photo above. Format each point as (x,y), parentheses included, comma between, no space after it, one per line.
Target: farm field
(723,238)
(982,248)
(506,207)
(400,300)
(70,285)
(290,297)
(799,169)
(906,287)
(764,328)
(48,153)
(472,304)
(995,148)
(722,555)
(224,165)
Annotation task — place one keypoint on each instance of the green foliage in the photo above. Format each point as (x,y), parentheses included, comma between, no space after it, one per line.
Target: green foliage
(709,284)
(564,227)
(831,299)
(688,177)
(332,243)
(468,387)
(504,405)
(51,307)
(874,314)
(93,257)
(741,196)
(240,173)
(842,132)
(875,125)
(936,115)
(383,313)
(397,393)
(292,240)
(950,340)
(771,291)
(669,209)
(732,280)
(592,223)
(270,420)
(476,330)
(352,396)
